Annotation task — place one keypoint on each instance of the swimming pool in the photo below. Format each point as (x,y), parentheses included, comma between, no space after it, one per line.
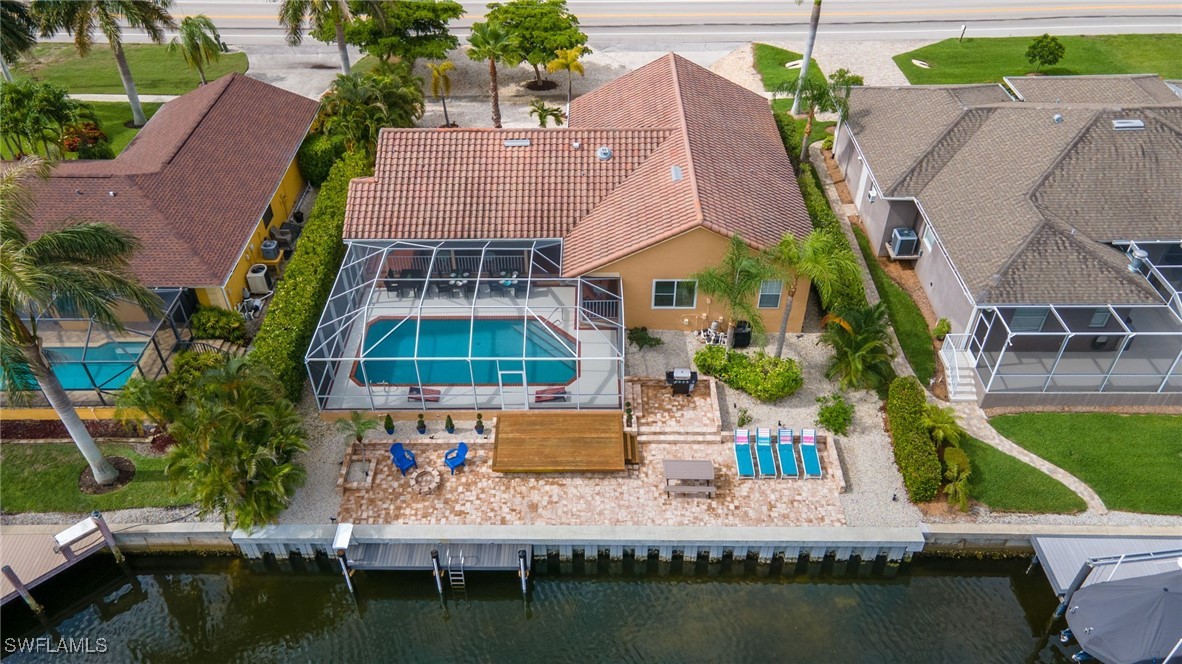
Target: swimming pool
(111,364)
(545,360)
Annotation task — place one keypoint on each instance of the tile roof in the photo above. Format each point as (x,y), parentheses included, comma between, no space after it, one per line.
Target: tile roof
(193,183)
(1114,89)
(734,176)
(1026,195)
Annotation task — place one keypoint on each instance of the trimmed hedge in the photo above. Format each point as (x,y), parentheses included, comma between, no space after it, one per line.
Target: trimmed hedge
(218,323)
(915,453)
(789,135)
(300,296)
(316,157)
(764,377)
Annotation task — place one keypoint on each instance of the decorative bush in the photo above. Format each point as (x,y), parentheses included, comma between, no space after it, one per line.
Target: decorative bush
(764,377)
(956,461)
(836,413)
(743,418)
(942,328)
(317,156)
(915,453)
(217,323)
(100,150)
(789,135)
(301,294)
(640,337)
(827,144)
(849,294)
(83,134)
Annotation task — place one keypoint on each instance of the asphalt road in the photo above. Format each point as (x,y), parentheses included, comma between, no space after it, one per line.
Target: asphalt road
(655,24)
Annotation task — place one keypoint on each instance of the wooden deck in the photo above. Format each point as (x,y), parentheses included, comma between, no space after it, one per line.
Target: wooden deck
(28,550)
(550,442)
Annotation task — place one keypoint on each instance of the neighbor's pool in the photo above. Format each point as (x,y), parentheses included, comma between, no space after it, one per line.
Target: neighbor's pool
(111,364)
(552,363)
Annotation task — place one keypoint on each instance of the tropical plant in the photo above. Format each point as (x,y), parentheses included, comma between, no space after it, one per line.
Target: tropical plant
(441,85)
(810,40)
(957,472)
(818,96)
(80,17)
(39,115)
(141,398)
(479,423)
(735,281)
(642,338)
(358,106)
(322,14)
(538,29)
(942,328)
(218,323)
(762,376)
(1045,51)
(824,257)
(388,424)
(18,33)
(567,60)
(942,425)
(395,30)
(237,439)
(743,418)
(358,425)
(836,414)
(545,113)
(449,425)
(81,268)
(862,347)
(199,43)
(421,424)
(490,42)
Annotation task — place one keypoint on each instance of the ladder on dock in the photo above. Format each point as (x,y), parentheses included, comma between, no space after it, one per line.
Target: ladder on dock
(455,571)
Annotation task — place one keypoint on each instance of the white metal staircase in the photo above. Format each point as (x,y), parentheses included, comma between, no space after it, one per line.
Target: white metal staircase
(958,368)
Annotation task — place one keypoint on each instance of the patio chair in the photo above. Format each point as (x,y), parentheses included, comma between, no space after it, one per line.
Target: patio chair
(808,454)
(422,394)
(787,453)
(743,460)
(763,453)
(551,395)
(402,458)
(456,457)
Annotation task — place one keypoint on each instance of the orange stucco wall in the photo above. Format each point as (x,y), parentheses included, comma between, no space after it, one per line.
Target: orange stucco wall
(677,258)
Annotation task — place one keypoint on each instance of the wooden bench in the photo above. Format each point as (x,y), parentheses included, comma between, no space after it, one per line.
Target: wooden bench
(690,488)
(631,450)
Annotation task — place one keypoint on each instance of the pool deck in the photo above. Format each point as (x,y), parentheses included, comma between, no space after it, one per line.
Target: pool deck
(541,442)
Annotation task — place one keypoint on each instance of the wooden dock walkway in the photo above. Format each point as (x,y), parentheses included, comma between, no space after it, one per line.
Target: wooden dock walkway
(29,552)
(559,442)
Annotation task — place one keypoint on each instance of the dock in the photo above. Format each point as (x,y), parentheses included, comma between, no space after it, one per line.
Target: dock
(32,555)
(478,557)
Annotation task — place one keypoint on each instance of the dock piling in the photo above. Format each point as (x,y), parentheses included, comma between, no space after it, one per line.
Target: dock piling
(437,572)
(107,536)
(20,588)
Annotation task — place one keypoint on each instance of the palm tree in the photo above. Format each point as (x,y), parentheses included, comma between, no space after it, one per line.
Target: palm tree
(358,106)
(545,113)
(322,13)
(81,268)
(18,33)
(489,41)
(568,61)
(862,348)
(820,257)
(735,281)
(79,18)
(819,96)
(357,425)
(441,85)
(199,42)
(814,20)
(942,425)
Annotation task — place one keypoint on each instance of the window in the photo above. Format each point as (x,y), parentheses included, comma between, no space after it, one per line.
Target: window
(1100,318)
(268,215)
(769,294)
(929,237)
(675,294)
(1029,319)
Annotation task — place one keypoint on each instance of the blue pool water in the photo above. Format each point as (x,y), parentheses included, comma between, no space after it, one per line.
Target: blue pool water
(449,337)
(111,364)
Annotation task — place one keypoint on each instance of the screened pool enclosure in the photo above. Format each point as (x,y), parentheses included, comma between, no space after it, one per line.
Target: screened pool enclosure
(462,324)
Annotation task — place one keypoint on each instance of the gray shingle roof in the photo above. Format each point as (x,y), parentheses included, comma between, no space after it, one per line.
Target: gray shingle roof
(1116,89)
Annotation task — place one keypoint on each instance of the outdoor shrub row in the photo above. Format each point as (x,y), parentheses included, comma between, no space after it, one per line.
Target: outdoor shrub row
(316,157)
(301,294)
(915,453)
(218,323)
(789,135)
(847,294)
(764,377)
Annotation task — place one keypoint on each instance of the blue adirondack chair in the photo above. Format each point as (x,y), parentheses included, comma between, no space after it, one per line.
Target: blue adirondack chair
(403,458)
(456,456)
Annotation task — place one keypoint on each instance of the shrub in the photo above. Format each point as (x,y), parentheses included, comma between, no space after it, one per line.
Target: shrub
(217,323)
(764,377)
(942,328)
(83,134)
(956,462)
(300,296)
(848,293)
(1045,51)
(187,368)
(99,150)
(743,418)
(915,454)
(789,135)
(836,413)
(827,144)
(640,338)
(317,156)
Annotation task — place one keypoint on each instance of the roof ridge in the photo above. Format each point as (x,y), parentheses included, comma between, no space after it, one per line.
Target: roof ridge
(1093,247)
(683,129)
(931,146)
(1071,144)
(972,117)
(230,79)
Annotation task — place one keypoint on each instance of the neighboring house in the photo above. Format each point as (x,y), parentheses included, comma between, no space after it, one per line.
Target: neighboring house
(575,233)
(202,185)
(1047,229)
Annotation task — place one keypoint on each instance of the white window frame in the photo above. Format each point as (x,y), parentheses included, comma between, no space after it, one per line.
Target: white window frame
(929,236)
(778,292)
(675,282)
(1028,312)
(1100,318)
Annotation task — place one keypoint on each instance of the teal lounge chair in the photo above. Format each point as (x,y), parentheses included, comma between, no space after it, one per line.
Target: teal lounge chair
(787,453)
(808,454)
(764,455)
(743,454)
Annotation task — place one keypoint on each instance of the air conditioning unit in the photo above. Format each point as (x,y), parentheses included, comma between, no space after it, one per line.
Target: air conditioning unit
(258,280)
(904,242)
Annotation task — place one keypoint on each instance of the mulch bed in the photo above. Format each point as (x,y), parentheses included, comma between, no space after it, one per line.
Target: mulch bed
(126,468)
(161,443)
(44,429)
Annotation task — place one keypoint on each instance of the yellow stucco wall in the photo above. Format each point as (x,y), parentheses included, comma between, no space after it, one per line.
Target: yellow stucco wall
(282,204)
(677,258)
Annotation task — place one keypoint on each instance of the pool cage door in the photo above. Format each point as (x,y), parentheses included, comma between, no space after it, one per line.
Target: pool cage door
(513,388)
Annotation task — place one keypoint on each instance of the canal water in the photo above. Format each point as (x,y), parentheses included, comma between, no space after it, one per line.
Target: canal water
(169,609)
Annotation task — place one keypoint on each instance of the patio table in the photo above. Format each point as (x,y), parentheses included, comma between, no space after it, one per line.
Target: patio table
(692,475)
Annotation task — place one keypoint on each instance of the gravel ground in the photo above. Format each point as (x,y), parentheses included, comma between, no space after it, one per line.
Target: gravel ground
(142,515)
(981,514)
(318,500)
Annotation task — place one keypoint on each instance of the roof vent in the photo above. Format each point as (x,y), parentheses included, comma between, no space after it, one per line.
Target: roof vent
(675,173)
(1058,118)
(111,194)
(576,145)
(604,153)
(1137,260)
(517,142)
(1127,125)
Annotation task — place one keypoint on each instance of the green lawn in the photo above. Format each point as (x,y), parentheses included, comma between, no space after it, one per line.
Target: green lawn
(155,70)
(1006,484)
(909,323)
(770,61)
(44,478)
(987,60)
(1133,462)
(111,116)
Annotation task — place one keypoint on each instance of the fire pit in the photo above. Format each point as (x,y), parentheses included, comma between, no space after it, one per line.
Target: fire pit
(424,480)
